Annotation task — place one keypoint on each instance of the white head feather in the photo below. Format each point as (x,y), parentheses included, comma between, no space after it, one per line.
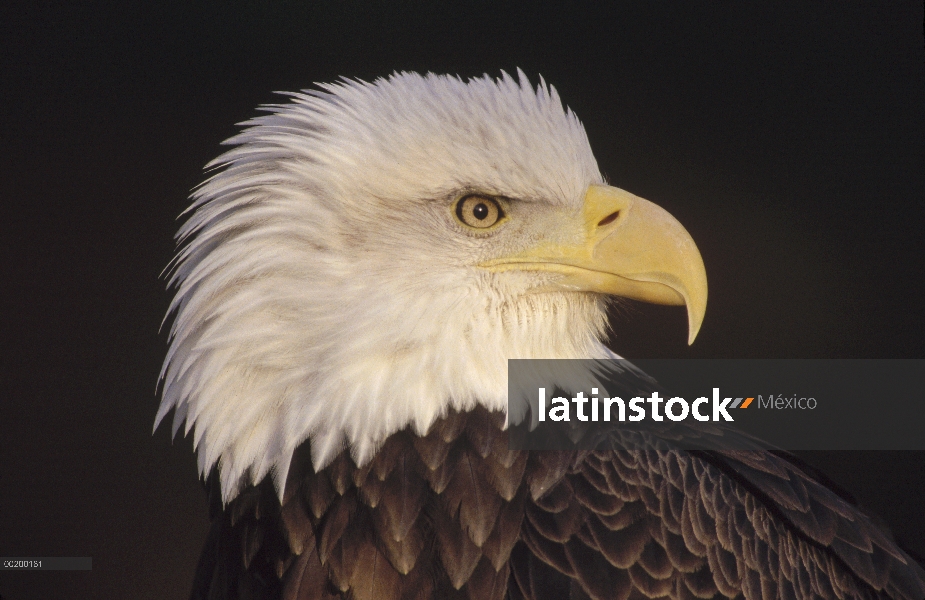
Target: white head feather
(324,290)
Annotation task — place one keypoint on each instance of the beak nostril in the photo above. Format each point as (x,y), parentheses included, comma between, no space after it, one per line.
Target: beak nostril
(609,219)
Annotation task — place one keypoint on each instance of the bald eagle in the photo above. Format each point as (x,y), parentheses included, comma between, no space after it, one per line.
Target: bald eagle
(351,282)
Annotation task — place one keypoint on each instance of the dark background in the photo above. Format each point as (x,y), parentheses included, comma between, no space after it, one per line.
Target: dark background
(787,137)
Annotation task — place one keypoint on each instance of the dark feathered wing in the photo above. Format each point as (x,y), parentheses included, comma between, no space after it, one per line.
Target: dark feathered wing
(456,514)
(641,515)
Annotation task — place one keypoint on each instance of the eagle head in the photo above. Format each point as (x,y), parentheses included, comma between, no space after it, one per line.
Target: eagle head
(368,256)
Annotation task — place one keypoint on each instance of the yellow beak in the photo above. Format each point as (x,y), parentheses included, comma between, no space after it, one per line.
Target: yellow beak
(630,248)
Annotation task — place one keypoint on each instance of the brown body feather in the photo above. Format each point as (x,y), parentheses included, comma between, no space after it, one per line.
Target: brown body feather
(457,514)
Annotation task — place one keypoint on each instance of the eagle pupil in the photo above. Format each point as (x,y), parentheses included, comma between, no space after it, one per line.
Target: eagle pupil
(480,211)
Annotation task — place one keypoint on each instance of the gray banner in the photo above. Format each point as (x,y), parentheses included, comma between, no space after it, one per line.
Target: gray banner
(790,404)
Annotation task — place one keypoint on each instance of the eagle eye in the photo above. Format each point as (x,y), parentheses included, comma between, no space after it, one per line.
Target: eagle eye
(479,212)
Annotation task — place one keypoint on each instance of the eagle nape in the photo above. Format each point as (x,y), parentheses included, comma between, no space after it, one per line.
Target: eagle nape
(350,283)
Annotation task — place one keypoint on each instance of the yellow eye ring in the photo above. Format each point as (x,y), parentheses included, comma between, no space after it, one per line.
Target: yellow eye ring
(478,212)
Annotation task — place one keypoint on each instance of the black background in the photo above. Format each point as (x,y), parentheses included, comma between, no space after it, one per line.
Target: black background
(787,137)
